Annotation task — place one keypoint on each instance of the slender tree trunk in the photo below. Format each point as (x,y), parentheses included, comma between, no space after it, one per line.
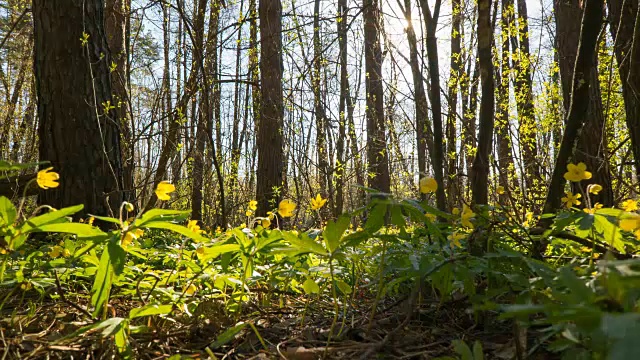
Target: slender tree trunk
(453,181)
(524,100)
(424,133)
(270,140)
(624,20)
(116,21)
(437,155)
(77,133)
(377,153)
(345,98)
(321,136)
(480,170)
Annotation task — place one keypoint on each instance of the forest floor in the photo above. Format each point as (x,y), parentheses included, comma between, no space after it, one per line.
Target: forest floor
(287,328)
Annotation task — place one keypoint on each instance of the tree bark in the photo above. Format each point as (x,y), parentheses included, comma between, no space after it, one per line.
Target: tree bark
(270,141)
(480,170)
(77,133)
(624,16)
(377,154)
(437,155)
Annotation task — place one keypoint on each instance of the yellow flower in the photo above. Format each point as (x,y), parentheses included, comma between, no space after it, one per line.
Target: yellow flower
(571,199)
(130,236)
(596,207)
(191,289)
(55,252)
(428,185)
(630,205)
(630,224)
(248,213)
(164,189)
(66,253)
(47,179)
(318,203)
(594,189)
(265,223)
(193,226)
(455,238)
(90,220)
(500,190)
(200,251)
(253,205)
(430,216)
(466,216)
(286,208)
(25,286)
(577,173)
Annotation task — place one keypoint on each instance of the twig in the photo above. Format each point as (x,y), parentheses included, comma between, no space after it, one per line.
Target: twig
(64,298)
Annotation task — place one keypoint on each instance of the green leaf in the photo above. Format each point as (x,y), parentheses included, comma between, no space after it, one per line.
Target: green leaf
(150,310)
(117,256)
(228,335)
(304,243)
(334,230)
(375,221)
(580,292)
(81,230)
(355,239)
(182,230)
(397,218)
(107,219)
(310,287)
(218,249)
(101,284)
(162,215)
(8,212)
(344,287)
(9,166)
(478,354)
(462,349)
(49,218)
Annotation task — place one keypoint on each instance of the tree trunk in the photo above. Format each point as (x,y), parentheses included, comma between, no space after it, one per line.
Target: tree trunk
(437,155)
(453,181)
(270,141)
(579,102)
(76,131)
(591,148)
(377,154)
(116,15)
(324,176)
(624,19)
(480,170)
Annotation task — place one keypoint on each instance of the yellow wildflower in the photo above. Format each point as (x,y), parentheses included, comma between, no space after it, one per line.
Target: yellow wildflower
(455,238)
(47,179)
(248,213)
(266,223)
(253,205)
(163,190)
(193,226)
(593,210)
(630,224)
(577,173)
(25,286)
(594,188)
(130,236)
(430,216)
(466,216)
(200,251)
(455,211)
(286,208)
(90,220)
(55,252)
(571,199)
(630,205)
(428,185)
(500,190)
(191,289)
(318,203)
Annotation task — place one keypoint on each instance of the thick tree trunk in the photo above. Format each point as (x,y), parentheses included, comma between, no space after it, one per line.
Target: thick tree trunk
(77,133)
(270,141)
(591,148)
(578,108)
(377,154)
